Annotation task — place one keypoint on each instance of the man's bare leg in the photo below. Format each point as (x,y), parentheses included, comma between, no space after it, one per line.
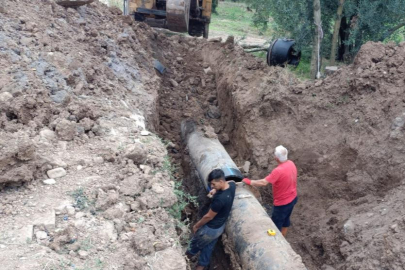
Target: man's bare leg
(284,231)
(199,267)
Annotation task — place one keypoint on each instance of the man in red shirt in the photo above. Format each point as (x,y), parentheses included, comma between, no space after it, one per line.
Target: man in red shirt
(284,181)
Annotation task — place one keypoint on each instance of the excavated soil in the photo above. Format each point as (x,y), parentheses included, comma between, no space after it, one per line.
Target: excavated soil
(345,133)
(78,93)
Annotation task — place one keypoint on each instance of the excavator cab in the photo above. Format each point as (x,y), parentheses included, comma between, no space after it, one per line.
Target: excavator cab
(184,16)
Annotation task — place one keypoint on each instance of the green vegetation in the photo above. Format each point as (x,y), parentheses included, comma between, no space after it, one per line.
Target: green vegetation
(80,198)
(234,18)
(183,199)
(117,3)
(361,21)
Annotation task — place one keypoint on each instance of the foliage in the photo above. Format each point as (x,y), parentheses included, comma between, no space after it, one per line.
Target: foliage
(80,198)
(183,199)
(236,19)
(366,20)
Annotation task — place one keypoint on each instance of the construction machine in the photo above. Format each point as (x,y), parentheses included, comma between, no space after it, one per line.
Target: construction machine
(185,16)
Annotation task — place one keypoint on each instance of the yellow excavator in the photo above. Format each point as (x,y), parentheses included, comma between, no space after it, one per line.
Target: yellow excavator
(184,16)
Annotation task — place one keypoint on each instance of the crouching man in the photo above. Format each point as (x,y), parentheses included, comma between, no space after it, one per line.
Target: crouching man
(210,227)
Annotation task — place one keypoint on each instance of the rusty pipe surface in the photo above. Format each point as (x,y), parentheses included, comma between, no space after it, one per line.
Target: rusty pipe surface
(248,222)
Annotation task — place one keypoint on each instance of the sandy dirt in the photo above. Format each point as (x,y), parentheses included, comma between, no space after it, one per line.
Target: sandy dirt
(80,102)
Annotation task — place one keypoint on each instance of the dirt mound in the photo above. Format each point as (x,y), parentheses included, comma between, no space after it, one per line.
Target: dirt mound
(78,97)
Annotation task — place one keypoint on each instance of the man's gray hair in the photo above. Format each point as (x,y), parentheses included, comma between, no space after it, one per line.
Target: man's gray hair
(281,153)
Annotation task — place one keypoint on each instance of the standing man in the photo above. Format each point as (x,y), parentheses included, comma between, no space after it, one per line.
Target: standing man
(211,225)
(284,181)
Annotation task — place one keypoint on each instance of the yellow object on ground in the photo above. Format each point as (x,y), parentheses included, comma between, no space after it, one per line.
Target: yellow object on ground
(271,232)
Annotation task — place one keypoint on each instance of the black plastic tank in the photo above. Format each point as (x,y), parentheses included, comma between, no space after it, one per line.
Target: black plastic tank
(281,53)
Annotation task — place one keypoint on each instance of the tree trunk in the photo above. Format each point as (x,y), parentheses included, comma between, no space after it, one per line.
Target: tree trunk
(336,32)
(315,59)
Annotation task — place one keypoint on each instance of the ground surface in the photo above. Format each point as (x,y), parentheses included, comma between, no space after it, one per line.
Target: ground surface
(78,93)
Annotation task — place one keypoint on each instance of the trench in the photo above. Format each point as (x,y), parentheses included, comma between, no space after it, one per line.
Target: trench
(189,92)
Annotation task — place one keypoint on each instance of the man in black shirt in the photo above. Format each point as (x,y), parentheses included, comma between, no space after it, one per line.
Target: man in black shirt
(210,227)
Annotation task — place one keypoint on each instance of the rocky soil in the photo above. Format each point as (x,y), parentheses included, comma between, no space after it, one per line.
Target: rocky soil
(86,183)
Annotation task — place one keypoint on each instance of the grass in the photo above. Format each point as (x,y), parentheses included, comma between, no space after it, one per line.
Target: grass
(233,18)
(183,199)
(80,198)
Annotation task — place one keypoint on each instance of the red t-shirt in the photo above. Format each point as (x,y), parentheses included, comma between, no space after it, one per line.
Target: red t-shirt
(284,181)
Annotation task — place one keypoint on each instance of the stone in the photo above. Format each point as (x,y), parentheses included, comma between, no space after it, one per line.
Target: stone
(394,228)
(108,231)
(105,200)
(46,219)
(5,96)
(60,96)
(145,133)
(173,260)
(25,41)
(49,182)
(70,210)
(348,227)
(137,153)
(66,130)
(246,167)
(208,71)
(83,254)
(98,160)
(173,83)
(135,206)
(56,173)
(157,188)
(79,215)
(41,235)
(47,134)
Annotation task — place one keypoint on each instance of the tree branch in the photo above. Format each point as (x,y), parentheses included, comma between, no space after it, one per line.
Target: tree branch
(392,30)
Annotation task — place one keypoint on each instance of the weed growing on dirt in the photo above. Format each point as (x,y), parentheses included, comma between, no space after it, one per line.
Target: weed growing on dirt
(80,198)
(86,244)
(183,199)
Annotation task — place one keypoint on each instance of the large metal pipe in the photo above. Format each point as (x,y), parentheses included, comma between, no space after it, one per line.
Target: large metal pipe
(208,154)
(248,223)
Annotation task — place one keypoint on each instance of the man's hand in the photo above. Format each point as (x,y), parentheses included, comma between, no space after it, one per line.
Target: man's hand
(247,181)
(212,193)
(195,228)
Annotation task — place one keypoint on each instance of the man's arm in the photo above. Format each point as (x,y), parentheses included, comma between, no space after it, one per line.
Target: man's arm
(204,220)
(256,183)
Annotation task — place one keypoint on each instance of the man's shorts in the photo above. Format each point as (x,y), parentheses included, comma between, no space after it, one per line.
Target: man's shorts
(281,214)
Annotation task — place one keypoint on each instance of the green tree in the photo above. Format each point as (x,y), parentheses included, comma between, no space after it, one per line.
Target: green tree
(360,21)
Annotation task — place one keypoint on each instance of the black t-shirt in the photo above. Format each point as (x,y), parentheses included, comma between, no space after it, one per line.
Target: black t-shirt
(222,205)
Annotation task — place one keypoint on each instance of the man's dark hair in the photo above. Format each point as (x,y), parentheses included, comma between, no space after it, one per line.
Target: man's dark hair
(217,174)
